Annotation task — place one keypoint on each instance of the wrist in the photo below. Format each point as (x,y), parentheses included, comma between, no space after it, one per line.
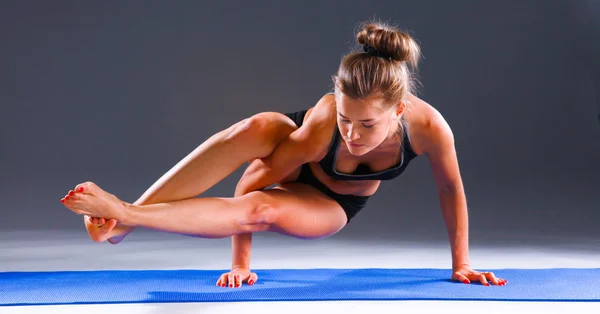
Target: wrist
(460,265)
(239,266)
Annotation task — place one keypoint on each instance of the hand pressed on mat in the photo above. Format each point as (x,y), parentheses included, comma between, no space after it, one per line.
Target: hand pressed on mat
(236,277)
(466,274)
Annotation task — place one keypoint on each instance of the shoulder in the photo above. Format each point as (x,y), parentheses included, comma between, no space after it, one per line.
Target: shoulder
(436,140)
(318,127)
(321,118)
(324,111)
(430,132)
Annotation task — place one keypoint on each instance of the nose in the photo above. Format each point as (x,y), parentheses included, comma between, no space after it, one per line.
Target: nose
(352,134)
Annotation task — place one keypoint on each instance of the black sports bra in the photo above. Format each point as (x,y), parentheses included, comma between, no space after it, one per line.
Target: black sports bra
(363,172)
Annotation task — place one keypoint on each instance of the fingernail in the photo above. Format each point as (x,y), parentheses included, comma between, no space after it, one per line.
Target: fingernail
(465,281)
(250,282)
(80,189)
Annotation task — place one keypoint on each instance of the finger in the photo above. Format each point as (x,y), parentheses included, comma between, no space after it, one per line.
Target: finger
(483,280)
(238,280)
(222,280)
(225,280)
(252,279)
(462,278)
(230,280)
(491,277)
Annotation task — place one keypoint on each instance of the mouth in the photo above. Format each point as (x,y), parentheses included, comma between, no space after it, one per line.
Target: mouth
(354,144)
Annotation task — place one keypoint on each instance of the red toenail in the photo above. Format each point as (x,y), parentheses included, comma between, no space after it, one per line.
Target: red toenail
(71,193)
(80,189)
(62,200)
(67,197)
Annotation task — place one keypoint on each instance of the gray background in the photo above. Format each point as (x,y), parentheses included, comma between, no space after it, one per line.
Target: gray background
(117,92)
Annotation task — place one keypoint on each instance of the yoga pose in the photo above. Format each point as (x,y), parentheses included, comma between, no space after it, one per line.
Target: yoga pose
(323,163)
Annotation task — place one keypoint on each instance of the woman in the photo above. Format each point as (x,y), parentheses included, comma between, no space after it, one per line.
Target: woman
(325,161)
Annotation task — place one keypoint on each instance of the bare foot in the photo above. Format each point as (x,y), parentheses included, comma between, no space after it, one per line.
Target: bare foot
(89,199)
(101,229)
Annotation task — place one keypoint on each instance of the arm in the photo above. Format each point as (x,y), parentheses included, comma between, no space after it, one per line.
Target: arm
(303,145)
(444,163)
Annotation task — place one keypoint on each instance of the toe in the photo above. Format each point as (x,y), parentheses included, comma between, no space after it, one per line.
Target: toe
(108,225)
(86,187)
(80,188)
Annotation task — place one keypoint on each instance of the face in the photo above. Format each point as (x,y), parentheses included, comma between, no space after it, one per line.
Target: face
(364,124)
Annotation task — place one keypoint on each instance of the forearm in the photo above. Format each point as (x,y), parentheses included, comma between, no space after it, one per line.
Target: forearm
(256,177)
(241,247)
(260,174)
(455,214)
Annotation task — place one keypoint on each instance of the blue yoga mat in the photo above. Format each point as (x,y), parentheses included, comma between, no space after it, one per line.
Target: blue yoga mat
(144,286)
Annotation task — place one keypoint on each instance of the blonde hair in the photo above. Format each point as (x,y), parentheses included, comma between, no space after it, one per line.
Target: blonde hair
(383,69)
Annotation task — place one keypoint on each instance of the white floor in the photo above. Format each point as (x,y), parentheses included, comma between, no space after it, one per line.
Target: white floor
(27,251)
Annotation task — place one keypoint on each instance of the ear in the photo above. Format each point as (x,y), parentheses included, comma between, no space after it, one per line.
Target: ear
(400,108)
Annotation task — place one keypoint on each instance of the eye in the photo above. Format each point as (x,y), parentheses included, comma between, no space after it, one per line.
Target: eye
(345,121)
(368,126)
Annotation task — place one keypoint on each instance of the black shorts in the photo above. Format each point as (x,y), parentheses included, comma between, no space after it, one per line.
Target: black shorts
(351,204)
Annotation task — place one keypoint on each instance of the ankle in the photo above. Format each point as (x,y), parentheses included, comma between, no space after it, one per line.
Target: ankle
(128,215)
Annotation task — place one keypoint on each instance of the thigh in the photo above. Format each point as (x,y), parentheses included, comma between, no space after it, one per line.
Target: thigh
(304,212)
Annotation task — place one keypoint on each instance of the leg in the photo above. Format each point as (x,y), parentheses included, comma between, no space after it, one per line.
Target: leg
(216,158)
(293,209)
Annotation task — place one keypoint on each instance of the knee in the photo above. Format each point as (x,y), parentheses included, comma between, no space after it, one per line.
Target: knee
(267,128)
(262,212)
(254,127)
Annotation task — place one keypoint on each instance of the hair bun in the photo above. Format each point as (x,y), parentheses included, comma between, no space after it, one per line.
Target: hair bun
(386,41)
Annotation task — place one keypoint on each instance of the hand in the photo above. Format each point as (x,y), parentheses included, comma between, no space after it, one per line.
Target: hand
(236,276)
(465,274)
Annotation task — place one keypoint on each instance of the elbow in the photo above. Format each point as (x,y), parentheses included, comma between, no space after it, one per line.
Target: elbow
(450,188)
